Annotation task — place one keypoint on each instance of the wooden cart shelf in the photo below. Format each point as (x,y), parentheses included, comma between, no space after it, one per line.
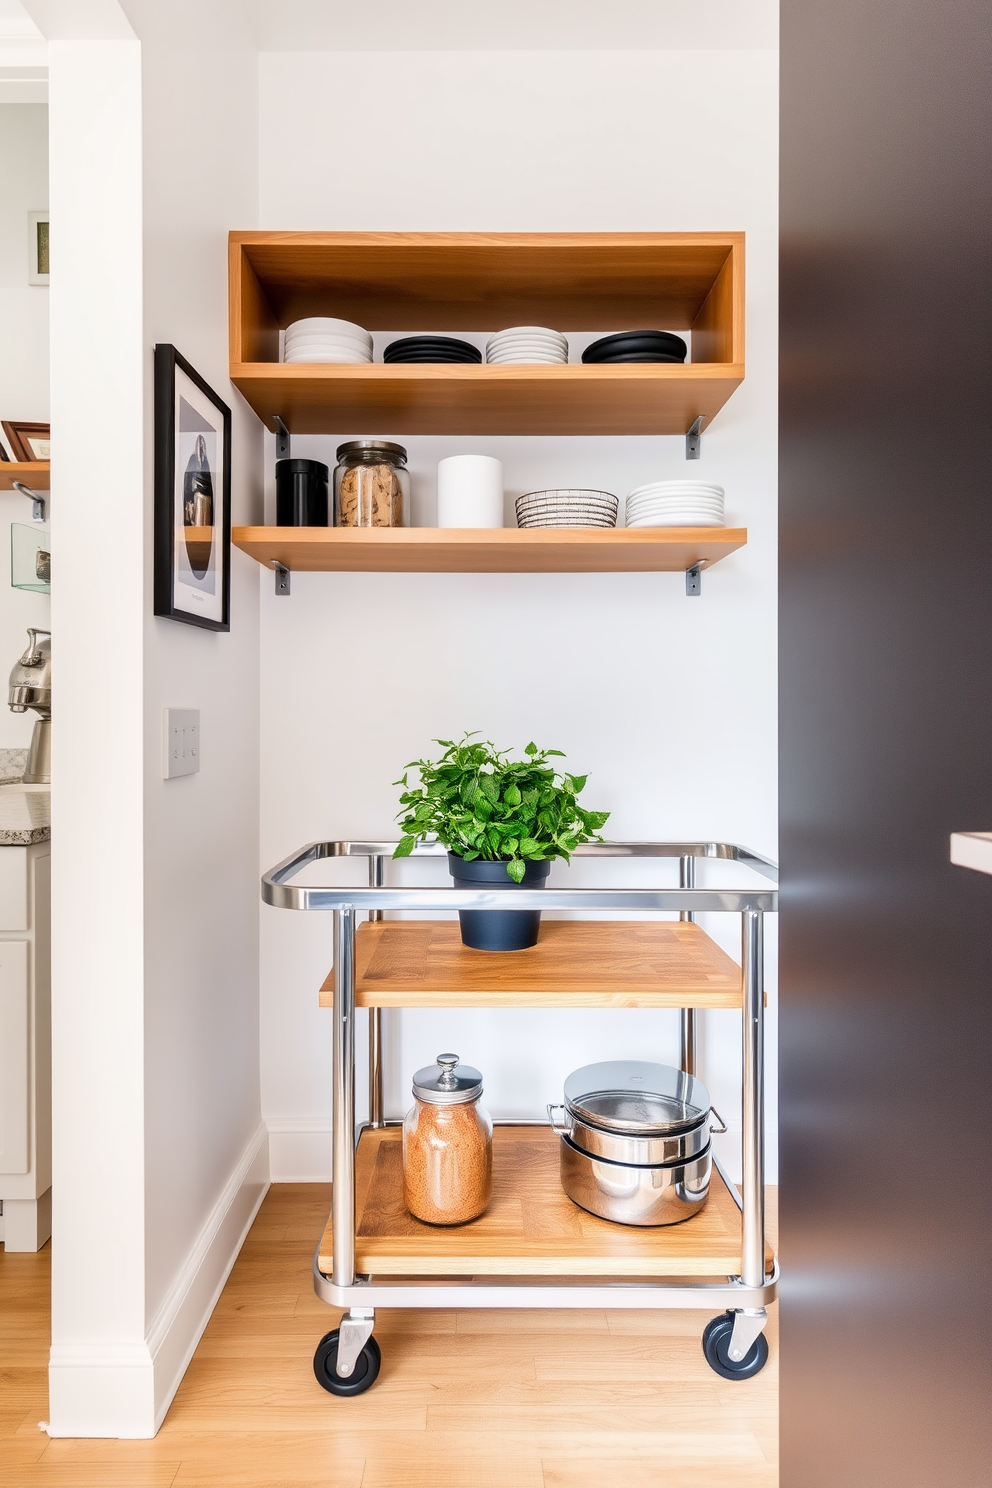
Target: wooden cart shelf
(495,550)
(576,963)
(531,1227)
(35,474)
(451,282)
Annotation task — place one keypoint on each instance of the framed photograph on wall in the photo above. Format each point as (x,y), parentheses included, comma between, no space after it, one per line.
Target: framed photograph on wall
(192,496)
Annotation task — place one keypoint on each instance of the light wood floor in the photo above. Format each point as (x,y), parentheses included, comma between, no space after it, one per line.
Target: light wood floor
(464,1399)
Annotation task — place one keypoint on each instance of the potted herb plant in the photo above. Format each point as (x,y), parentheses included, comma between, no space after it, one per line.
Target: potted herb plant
(502,821)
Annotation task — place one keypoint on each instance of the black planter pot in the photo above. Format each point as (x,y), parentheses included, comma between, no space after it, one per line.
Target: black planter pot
(497,929)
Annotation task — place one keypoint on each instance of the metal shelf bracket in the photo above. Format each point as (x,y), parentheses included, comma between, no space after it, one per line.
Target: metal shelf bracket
(282,441)
(694,579)
(38,504)
(282,578)
(694,439)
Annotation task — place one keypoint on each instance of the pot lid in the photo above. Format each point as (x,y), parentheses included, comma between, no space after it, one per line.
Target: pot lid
(628,1095)
(446,1082)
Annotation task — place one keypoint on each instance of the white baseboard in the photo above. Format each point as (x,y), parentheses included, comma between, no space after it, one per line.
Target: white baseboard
(299,1149)
(125,1390)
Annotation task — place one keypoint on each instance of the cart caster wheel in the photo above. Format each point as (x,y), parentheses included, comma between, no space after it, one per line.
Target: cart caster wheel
(716,1346)
(325,1367)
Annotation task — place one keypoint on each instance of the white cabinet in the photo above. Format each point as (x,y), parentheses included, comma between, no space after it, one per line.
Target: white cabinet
(25,1046)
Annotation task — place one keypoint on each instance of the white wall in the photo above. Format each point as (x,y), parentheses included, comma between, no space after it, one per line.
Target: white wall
(160,1154)
(668,702)
(23,368)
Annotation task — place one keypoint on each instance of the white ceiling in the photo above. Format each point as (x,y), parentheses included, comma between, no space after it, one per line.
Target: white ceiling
(514,25)
(23,56)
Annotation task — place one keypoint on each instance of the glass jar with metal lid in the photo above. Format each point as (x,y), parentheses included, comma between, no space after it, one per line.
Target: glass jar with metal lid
(447,1145)
(371,485)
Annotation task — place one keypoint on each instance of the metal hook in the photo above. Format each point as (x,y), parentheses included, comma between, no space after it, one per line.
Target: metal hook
(39,504)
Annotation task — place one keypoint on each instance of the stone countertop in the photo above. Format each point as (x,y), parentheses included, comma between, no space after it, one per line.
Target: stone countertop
(25,814)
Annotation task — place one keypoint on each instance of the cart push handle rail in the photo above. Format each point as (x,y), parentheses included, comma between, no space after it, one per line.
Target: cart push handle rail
(281,893)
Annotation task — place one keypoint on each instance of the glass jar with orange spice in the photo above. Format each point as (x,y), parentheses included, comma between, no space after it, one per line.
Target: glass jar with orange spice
(447,1145)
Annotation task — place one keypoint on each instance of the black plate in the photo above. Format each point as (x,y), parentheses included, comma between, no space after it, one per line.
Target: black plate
(418,344)
(430,356)
(634,356)
(636,341)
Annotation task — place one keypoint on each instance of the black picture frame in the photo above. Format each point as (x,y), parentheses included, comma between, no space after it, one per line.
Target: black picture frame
(192,576)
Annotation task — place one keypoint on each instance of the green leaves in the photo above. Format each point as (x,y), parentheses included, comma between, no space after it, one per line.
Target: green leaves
(481,804)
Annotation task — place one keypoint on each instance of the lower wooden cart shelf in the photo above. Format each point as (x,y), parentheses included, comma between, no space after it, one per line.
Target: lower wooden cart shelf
(531,1227)
(576,963)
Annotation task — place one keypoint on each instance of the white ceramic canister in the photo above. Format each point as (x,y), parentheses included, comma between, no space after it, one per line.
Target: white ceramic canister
(470,491)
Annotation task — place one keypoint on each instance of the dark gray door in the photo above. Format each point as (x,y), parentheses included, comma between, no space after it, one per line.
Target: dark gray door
(886,733)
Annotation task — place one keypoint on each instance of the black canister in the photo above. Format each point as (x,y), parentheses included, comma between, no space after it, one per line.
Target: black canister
(301,493)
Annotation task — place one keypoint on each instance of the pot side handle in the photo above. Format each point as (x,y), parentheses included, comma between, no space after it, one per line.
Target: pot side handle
(562,1130)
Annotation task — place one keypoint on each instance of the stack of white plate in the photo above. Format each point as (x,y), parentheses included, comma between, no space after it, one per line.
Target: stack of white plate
(675,503)
(534,344)
(323,339)
(567,509)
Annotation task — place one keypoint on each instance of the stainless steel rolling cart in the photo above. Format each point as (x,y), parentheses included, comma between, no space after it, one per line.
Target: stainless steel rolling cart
(544,1251)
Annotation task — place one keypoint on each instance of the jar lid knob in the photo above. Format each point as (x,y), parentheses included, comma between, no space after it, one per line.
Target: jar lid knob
(448,1062)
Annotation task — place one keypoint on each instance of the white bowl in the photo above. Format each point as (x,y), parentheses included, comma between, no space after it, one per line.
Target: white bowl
(312,338)
(346,358)
(677,520)
(663,488)
(326,324)
(513,338)
(293,348)
(675,501)
(528,331)
(528,348)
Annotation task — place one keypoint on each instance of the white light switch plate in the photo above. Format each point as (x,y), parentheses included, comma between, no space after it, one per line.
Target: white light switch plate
(182,741)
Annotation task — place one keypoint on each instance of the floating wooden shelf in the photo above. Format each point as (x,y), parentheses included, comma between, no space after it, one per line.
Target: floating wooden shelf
(489,550)
(576,963)
(483,282)
(474,400)
(36,474)
(530,1228)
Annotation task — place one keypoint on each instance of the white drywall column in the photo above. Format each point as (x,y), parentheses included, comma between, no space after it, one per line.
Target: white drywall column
(101,1374)
(161,1155)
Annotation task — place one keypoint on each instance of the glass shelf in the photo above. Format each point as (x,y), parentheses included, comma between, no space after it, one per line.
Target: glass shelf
(30,558)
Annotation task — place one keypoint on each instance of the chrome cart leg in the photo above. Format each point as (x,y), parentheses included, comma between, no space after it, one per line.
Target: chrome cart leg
(753,1219)
(376,1114)
(687,1016)
(354,1332)
(343,1110)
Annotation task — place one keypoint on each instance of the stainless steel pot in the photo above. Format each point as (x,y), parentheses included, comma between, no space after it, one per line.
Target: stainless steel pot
(633,1150)
(635,1141)
(663,1194)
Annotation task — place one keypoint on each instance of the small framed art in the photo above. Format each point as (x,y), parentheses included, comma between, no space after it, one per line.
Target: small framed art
(38,272)
(192,496)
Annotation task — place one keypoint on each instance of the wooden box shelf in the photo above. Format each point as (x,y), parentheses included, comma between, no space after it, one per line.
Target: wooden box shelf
(495,550)
(584,282)
(576,963)
(531,1227)
(35,474)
